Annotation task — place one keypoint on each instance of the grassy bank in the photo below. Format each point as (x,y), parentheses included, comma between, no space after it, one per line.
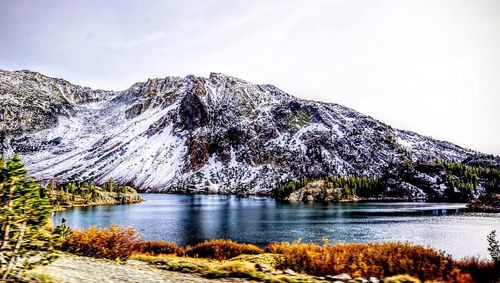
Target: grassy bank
(282,262)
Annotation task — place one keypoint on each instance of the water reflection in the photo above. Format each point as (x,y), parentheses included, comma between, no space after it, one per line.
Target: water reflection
(191,219)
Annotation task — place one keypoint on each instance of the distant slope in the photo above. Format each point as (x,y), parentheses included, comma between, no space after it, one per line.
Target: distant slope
(193,134)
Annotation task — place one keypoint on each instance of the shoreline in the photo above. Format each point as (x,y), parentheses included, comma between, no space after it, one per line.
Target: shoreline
(270,196)
(107,199)
(63,208)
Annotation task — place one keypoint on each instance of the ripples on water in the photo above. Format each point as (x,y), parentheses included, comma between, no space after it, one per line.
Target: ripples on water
(190,219)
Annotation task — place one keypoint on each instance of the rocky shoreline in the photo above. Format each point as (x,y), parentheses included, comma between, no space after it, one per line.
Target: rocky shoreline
(318,191)
(486,203)
(103,198)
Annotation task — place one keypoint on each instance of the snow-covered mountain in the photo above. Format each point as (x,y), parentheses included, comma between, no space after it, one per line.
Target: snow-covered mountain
(216,134)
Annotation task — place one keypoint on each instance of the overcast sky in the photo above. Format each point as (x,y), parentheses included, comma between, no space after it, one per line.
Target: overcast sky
(428,66)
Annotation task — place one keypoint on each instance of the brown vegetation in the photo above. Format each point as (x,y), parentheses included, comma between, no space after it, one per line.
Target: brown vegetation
(113,242)
(365,260)
(159,247)
(221,249)
(481,270)
(380,260)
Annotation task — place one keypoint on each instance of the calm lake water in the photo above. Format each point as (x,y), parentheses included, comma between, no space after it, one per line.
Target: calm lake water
(190,219)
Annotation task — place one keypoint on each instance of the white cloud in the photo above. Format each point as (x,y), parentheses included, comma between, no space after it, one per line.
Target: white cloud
(129,43)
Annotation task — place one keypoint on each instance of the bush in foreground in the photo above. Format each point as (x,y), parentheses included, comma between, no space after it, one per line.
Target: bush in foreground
(481,270)
(221,249)
(113,242)
(159,247)
(381,260)
(365,260)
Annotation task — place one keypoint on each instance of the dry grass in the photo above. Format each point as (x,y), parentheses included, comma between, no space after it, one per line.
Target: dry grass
(401,279)
(159,247)
(266,258)
(481,270)
(221,249)
(39,275)
(113,242)
(365,260)
(210,268)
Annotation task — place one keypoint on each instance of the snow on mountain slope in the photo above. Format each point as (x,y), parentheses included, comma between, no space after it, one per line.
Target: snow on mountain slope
(194,134)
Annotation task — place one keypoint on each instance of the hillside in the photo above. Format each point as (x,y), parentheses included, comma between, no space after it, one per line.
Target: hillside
(194,134)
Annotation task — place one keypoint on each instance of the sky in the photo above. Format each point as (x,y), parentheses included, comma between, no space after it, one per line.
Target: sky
(428,66)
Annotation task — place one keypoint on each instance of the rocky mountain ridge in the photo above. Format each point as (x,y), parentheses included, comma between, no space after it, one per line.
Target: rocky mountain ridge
(194,134)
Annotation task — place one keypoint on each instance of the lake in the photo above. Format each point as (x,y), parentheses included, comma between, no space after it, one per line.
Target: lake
(186,219)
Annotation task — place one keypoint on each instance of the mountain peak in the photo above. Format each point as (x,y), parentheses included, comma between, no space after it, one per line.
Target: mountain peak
(216,134)
(222,76)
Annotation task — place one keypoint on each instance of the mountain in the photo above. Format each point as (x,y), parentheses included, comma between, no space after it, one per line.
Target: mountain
(194,134)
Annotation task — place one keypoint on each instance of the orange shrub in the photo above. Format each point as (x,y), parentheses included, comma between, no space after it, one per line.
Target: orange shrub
(221,249)
(481,270)
(113,242)
(159,247)
(365,260)
(282,247)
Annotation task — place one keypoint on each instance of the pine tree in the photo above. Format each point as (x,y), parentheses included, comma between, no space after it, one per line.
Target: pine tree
(494,247)
(24,210)
(109,186)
